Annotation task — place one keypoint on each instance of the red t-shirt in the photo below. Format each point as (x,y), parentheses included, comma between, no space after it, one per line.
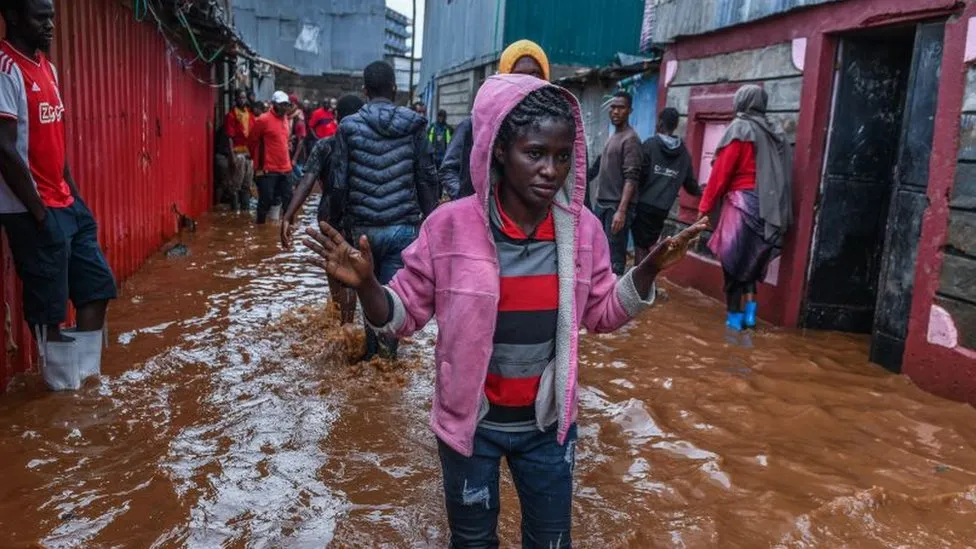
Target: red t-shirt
(734,169)
(29,95)
(269,141)
(323,124)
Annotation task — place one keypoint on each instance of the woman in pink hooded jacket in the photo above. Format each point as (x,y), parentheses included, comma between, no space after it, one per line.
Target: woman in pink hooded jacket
(511,274)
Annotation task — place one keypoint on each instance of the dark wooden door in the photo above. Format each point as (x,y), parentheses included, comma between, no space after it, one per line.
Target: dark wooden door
(908,201)
(852,211)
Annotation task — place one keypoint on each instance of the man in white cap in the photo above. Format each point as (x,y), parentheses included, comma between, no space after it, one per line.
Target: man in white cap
(272,163)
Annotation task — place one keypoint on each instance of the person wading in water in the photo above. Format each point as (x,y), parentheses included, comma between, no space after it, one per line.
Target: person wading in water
(752,176)
(511,275)
(318,168)
(521,57)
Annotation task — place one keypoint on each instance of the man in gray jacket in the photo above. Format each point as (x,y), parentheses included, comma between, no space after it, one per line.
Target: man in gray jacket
(384,180)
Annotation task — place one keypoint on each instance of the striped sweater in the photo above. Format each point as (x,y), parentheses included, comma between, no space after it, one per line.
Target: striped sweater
(525,332)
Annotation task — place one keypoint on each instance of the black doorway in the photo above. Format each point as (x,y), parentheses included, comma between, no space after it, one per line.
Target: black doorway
(872,196)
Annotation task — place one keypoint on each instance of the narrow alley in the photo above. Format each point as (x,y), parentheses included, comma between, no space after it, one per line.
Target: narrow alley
(228,416)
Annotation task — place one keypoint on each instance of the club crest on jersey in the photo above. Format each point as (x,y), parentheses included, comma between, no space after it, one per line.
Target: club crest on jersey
(51,113)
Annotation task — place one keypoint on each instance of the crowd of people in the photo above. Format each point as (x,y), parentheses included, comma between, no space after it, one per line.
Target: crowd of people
(531,246)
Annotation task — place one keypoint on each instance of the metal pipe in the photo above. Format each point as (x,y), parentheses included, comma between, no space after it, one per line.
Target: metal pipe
(413,50)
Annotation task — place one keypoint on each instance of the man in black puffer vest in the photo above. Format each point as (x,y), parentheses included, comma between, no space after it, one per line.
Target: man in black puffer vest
(384,179)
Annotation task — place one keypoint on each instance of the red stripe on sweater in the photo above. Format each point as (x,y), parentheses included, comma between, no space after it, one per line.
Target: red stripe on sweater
(512,392)
(529,293)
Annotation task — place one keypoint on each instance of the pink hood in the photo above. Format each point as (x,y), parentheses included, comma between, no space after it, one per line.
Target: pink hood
(497,97)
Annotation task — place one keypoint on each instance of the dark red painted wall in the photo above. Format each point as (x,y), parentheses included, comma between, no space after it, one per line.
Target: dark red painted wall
(948,372)
(140,135)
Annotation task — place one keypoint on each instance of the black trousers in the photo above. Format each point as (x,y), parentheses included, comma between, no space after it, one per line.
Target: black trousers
(735,291)
(271,187)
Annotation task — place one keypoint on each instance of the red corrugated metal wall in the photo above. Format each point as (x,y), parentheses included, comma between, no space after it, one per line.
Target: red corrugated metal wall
(140,140)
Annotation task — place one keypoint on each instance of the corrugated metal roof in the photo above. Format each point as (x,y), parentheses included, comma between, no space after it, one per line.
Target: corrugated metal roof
(577,32)
(314,36)
(456,33)
(674,18)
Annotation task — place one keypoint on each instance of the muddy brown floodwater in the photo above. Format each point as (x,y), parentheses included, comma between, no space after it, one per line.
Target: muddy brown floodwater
(229,416)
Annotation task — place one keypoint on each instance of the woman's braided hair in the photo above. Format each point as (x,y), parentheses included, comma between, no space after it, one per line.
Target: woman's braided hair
(544,103)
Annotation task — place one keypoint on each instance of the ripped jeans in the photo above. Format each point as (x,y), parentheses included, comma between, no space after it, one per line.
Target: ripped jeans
(542,471)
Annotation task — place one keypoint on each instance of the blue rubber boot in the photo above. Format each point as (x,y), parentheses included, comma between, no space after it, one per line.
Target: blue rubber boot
(735,321)
(750,314)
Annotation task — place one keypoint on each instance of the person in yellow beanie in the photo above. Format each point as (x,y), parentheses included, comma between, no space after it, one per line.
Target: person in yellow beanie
(524,57)
(521,57)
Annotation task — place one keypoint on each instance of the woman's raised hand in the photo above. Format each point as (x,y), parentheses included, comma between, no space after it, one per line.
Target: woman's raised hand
(350,266)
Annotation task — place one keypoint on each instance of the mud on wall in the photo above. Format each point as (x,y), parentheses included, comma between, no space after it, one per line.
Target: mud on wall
(139,142)
(957,285)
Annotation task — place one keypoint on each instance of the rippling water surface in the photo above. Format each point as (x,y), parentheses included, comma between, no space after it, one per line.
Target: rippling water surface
(229,416)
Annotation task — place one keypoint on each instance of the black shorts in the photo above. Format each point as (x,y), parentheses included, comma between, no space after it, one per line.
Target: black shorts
(58,261)
(647,225)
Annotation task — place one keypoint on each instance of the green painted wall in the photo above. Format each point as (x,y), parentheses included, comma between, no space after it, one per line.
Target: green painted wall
(576,32)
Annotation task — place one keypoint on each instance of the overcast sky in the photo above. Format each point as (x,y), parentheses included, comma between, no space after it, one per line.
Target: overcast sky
(406,7)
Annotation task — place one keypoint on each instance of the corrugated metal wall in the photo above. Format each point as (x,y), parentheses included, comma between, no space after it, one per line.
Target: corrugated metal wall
(673,18)
(596,117)
(458,33)
(577,32)
(140,140)
(596,120)
(644,117)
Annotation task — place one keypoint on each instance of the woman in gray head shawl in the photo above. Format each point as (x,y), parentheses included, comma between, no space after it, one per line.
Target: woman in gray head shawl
(751,176)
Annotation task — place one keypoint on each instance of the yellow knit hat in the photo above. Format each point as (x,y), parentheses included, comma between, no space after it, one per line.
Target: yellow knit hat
(520,49)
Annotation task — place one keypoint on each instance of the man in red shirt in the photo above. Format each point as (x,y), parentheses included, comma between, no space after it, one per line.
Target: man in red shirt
(272,162)
(238,125)
(51,232)
(323,123)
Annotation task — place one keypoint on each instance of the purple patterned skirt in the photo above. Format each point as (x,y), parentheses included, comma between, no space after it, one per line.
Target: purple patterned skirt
(738,239)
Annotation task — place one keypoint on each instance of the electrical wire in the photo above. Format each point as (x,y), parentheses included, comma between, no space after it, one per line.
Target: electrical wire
(165,31)
(193,38)
(173,50)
